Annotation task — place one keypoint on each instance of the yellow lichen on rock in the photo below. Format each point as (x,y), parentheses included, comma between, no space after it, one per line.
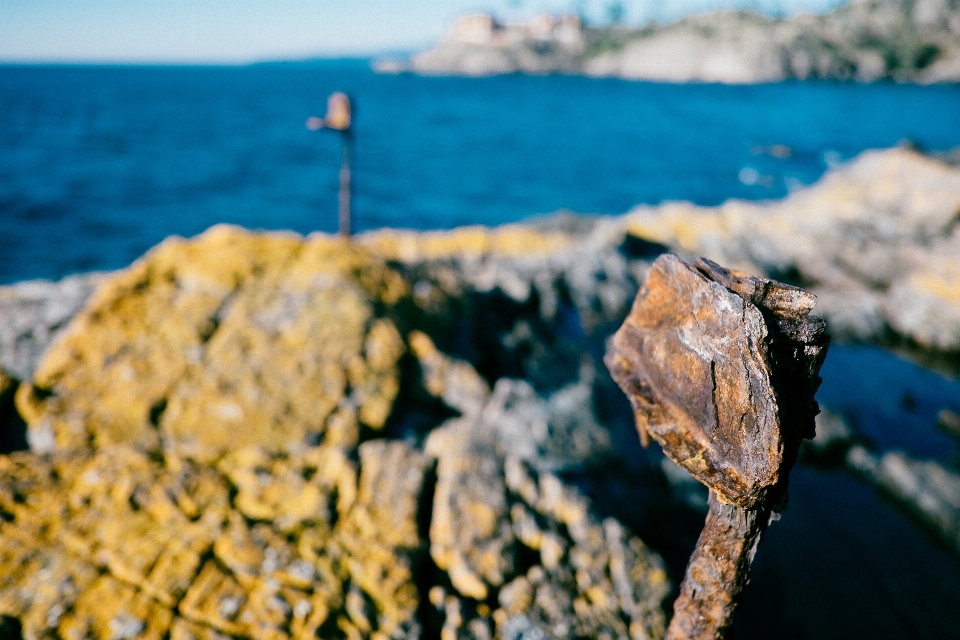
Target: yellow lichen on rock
(111,609)
(135,338)
(454,381)
(226,340)
(299,488)
(943,281)
(294,345)
(508,240)
(680,225)
(211,459)
(382,542)
(470,535)
(114,544)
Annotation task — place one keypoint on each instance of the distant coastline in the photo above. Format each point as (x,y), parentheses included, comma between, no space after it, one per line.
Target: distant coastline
(915,41)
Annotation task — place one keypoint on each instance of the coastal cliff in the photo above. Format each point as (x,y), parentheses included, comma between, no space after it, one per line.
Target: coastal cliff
(864,40)
(219,432)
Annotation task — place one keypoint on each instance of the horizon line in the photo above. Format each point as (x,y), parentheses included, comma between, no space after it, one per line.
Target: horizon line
(367,57)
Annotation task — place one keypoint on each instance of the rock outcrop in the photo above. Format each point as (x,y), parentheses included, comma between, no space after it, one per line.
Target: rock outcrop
(865,40)
(878,241)
(875,239)
(480,45)
(250,435)
(220,435)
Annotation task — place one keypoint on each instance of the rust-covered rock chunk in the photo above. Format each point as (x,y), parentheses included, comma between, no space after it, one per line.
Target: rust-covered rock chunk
(721,369)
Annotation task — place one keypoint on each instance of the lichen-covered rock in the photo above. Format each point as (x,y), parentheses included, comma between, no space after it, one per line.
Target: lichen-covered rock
(470,534)
(213,458)
(556,261)
(876,240)
(115,544)
(453,381)
(593,579)
(381,536)
(201,338)
(118,512)
(533,543)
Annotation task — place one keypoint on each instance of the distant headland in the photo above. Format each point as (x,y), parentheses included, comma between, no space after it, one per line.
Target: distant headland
(863,40)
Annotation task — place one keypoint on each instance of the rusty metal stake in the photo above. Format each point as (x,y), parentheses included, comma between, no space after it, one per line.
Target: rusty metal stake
(721,369)
(344,198)
(339,118)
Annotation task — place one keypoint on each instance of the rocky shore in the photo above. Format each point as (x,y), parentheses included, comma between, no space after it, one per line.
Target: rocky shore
(219,433)
(863,40)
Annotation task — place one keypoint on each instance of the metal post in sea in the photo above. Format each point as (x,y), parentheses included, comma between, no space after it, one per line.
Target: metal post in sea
(339,118)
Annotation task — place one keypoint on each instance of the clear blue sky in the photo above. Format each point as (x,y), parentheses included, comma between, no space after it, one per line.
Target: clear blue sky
(247,30)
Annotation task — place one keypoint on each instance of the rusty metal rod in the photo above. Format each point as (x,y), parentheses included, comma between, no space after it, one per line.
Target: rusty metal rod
(721,369)
(345,185)
(718,571)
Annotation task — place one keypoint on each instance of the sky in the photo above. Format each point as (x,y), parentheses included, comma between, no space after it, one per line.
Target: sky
(241,31)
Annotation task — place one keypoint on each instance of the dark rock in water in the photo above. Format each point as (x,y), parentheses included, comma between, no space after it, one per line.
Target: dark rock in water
(927,490)
(951,157)
(949,422)
(833,439)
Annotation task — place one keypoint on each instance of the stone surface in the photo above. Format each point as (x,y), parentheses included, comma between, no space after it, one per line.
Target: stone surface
(222,447)
(32,315)
(949,422)
(513,537)
(927,490)
(231,328)
(116,544)
(527,538)
(876,240)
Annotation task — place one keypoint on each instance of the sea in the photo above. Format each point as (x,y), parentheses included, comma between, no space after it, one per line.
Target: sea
(100,163)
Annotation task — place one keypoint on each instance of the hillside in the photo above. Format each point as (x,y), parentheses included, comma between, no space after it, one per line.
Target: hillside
(864,40)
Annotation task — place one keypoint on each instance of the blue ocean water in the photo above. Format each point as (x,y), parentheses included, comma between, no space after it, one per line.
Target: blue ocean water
(97,164)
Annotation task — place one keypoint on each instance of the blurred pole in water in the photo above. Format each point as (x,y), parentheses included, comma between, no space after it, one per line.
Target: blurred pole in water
(345,185)
(339,118)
